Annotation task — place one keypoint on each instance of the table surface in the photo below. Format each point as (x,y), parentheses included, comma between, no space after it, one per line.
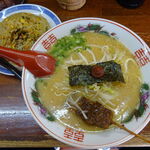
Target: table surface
(17,126)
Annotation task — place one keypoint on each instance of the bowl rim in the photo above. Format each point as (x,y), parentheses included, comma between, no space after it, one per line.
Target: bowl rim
(20,6)
(98,19)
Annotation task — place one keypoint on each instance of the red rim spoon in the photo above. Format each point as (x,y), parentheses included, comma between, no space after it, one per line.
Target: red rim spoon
(39,64)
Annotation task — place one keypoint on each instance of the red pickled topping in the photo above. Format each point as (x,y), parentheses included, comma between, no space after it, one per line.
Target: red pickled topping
(97,71)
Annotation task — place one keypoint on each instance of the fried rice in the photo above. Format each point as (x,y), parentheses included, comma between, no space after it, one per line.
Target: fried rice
(21,30)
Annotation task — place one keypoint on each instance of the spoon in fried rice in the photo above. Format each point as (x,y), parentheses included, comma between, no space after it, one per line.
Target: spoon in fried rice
(38,63)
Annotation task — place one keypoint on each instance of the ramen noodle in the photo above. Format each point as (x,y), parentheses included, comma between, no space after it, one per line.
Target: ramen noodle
(120,97)
(21,30)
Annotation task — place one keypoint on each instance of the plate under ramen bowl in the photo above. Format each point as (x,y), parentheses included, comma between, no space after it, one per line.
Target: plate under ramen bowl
(89,140)
(50,16)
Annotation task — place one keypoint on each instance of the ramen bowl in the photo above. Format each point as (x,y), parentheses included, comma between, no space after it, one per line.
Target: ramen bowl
(77,136)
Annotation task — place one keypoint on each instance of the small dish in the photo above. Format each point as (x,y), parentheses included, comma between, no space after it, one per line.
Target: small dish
(50,16)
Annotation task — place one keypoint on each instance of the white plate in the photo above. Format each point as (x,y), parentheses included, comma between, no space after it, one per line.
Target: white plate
(51,17)
(108,138)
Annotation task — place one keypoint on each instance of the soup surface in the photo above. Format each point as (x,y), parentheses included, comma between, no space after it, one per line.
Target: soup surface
(121,98)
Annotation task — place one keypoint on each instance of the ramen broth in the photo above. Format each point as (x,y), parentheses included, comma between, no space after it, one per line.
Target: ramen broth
(121,98)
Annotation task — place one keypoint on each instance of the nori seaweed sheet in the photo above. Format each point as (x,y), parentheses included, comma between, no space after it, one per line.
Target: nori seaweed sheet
(81,74)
